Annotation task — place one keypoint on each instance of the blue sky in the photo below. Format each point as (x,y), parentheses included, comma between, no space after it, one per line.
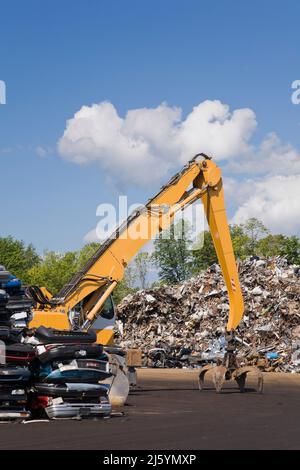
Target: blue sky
(57,56)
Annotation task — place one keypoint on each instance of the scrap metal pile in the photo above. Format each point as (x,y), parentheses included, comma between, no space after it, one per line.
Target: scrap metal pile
(185,324)
(47,373)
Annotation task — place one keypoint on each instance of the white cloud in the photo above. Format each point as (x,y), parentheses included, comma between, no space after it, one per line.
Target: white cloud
(125,148)
(212,129)
(275,201)
(92,236)
(143,146)
(6,150)
(41,152)
(270,157)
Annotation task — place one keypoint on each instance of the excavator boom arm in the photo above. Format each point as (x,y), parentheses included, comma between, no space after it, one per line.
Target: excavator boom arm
(199,179)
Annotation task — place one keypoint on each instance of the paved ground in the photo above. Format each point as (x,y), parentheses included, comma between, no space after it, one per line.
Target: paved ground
(170,413)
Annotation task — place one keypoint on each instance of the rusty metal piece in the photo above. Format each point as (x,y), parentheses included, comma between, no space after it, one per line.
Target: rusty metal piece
(240,374)
(202,373)
(218,376)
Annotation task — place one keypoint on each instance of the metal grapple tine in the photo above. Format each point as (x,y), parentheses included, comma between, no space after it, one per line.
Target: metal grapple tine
(202,373)
(260,381)
(241,381)
(219,377)
(229,369)
(240,377)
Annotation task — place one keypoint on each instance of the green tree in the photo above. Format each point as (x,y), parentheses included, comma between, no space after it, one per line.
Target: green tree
(172,253)
(246,240)
(85,254)
(271,245)
(54,271)
(254,229)
(291,249)
(280,245)
(17,257)
(126,286)
(141,267)
(240,241)
(204,253)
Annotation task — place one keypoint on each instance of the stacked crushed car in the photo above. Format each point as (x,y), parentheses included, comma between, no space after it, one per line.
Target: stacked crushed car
(184,324)
(15,373)
(66,375)
(46,373)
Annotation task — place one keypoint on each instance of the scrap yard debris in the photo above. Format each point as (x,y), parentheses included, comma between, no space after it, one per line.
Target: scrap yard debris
(46,373)
(185,324)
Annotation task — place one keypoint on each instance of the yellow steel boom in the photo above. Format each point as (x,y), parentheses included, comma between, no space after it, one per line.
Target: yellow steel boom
(199,179)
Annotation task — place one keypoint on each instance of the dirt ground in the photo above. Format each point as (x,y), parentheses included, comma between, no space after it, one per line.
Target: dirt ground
(169,412)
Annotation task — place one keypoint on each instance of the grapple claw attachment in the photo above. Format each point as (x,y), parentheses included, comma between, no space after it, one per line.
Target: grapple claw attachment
(230,370)
(202,373)
(240,375)
(218,376)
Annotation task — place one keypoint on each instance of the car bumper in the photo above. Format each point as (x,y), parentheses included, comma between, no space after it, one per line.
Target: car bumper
(80,410)
(13,414)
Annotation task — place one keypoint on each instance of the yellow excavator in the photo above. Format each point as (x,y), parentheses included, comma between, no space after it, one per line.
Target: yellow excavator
(87,296)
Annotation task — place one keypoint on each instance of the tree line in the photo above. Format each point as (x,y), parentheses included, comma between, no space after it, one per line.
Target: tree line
(173,258)
(179,259)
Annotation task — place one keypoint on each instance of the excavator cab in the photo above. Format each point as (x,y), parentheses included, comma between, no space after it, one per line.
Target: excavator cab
(103,324)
